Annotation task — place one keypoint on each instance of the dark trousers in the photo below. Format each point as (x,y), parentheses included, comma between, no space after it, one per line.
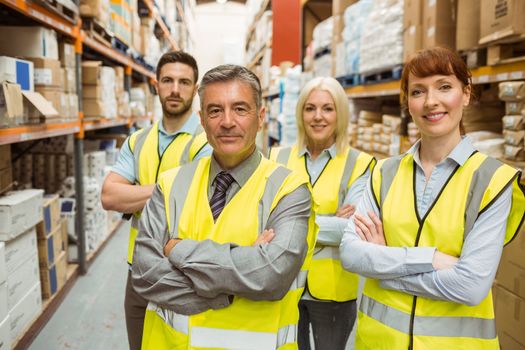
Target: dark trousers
(331,322)
(135,309)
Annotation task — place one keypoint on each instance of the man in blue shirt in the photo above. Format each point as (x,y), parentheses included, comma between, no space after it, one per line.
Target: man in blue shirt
(176,139)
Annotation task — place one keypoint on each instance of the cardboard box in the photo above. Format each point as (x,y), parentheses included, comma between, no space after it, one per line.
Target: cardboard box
(50,247)
(25,312)
(19,211)
(66,52)
(53,278)
(18,250)
(51,215)
(21,280)
(508,343)
(73,106)
(412,13)
(468,24)
(6,179)
(512,277)
(510,314)
(47,72)
(496,53)
(94,108)
(54,96)
(11,104)
(439,23)
(29,42)
(37,108)
(515,250)
(92,92)
(70,80)
(17,71)
(91,72)
(5,156)
(412,41)
(5,333)
(100,9)
(501,19)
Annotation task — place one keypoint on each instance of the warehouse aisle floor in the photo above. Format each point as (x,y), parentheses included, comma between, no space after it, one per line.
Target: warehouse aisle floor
(92,315)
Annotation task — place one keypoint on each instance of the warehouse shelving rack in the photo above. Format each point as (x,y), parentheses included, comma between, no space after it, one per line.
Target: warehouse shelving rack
(76,127)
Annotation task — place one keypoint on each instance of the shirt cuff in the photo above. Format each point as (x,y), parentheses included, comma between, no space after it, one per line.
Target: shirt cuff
(179,253)
(419,260)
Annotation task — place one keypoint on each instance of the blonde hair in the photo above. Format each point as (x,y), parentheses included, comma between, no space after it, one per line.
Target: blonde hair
(337,92)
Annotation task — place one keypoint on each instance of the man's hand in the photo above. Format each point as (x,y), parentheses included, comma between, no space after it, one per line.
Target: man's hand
(169,245)
(346,211)
(370,231)
(442,261)
(265,237)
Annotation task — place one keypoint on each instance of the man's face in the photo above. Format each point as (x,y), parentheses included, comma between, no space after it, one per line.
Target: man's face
(176,88)
(231,120)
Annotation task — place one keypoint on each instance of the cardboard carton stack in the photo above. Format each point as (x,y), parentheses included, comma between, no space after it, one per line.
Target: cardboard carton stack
(16,76)
(368,125)
(413,133)
(338,50)
(412,28)
(322,43)
(120,20)
(6,172)
(98,10)
(52,242)
(98,90)
(49,82)
(389,138)
(501,19)
(513,93)
(67,56)
(509,295)
(20,211)
(122,96)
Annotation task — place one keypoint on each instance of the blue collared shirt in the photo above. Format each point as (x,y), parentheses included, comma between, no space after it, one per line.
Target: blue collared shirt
(125,165)
(409,269)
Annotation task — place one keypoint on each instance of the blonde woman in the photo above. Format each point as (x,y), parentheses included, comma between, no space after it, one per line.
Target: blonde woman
(338,175)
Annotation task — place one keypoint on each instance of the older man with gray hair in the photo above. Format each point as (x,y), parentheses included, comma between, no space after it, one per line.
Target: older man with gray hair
(224,243)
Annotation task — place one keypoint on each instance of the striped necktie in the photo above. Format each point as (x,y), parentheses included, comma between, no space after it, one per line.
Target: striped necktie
(223,181)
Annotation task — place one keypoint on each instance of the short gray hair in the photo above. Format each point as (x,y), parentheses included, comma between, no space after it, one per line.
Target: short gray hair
(231,72)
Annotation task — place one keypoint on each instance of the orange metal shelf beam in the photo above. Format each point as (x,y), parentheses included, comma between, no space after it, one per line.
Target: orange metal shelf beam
(43,15)
(161,23)
(39,131)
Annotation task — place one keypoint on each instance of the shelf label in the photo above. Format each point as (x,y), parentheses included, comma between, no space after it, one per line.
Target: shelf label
(516,75)
(502,76)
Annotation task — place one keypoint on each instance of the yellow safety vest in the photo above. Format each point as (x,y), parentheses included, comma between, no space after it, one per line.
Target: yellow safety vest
(144,145)
(245,324)
(327,280)
(389,319)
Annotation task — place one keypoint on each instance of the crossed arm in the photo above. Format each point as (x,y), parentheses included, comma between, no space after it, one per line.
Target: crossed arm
(205,273)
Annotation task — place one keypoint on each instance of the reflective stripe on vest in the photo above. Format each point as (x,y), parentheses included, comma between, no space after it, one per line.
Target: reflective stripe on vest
(245,322)
(148,176)
(390,315)
(327,280)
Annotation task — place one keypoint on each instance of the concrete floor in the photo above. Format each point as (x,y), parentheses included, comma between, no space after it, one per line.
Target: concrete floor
(92,314)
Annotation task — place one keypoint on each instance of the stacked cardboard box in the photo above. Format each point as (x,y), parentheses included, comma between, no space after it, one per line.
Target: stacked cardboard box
(368,125)
(20,211)
(49,82)
(6,172)
(338,9)
(513,93)
(509,295)
(120,20)
(468,24)
(412,28)
(122,96)
(5,321)
(98,90)
(16,78)
(413,133)
(501,19)
(389,140)
(51,247)
(98,10)
(67,55)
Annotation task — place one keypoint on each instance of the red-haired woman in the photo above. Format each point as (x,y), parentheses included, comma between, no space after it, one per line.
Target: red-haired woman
(429,230)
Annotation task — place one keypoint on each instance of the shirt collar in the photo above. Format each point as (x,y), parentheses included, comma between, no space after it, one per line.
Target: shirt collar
(460,154)
(189,127)
(332,151)
(242,172)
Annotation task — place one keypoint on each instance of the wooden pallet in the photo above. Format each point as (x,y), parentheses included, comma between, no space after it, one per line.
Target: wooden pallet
(505,53)
(380,76)
(66,9)
(119,45)
(97,31)
(475,57)
(349,80)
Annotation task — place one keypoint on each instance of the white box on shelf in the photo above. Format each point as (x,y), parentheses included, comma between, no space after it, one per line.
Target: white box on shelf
(5,333)
(3,267)
(18,250)
(17,71)
(25,312)
(19,211)
(21,280)
(29,42)
(4,304)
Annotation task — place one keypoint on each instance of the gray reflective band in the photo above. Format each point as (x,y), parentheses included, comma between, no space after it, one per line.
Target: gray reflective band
(299,281)
(274,183)
(185,157)
(283,155)
(478,186)
(327,252)
(286,335)
(179,192)
(139,143)
(135,221)
(467,327)
(172,319)
(388,172)
(351,160)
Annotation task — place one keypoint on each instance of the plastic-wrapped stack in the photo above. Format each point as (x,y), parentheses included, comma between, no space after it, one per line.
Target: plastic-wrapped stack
(368,125)
(322,42)
(355,17)
(390,140)
(413,133)
(292,87)
(513,93)
(382,37)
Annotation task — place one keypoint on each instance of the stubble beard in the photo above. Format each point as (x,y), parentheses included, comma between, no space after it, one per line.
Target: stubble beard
(176,112)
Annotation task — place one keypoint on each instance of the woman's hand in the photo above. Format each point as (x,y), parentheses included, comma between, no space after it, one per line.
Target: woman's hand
(346,211)
(370,230)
